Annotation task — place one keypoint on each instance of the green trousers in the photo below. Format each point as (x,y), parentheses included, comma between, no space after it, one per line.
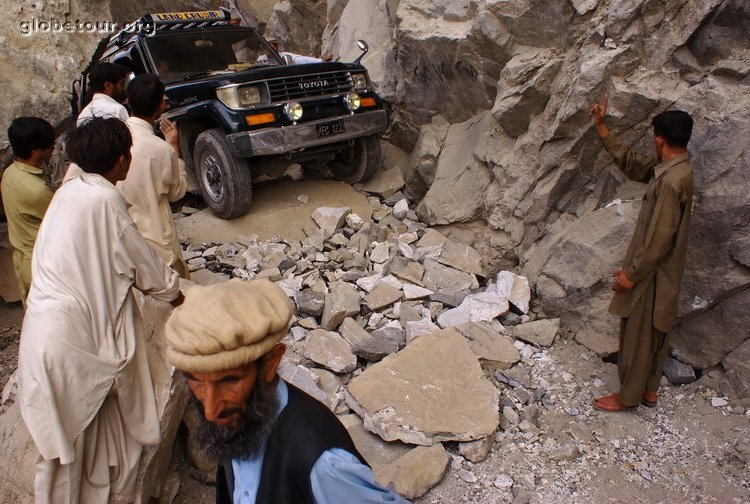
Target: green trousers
(643,349)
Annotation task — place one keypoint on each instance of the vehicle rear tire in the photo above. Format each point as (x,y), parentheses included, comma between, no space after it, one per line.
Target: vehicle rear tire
(358,162)
(224,179)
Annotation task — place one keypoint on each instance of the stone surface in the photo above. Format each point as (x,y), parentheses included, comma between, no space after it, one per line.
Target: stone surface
(476,451)
(414,473)
(329,218)
(495,350)
(431,391)
(540,332)
(405,269)
(343,301)
(439,278)
(678,373)
(385,183)
(415,292)
(737,365)
(304,379)
(383,295)
(330,350)
(310,302)
(516,288)
(364,344)
(481,307)
(417,328)
(461,257)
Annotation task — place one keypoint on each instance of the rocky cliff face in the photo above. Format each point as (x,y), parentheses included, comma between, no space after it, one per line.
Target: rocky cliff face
(491,104)
(491,129)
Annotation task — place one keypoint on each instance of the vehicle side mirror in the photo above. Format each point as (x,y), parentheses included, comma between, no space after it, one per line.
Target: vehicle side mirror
(362,47)
(288,59)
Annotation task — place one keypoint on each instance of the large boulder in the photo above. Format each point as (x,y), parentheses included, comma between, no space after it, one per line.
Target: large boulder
(295,36)
(431,391)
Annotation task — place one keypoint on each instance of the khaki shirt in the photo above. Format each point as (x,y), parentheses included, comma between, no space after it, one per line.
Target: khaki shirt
(155,179)
(26,197)
(659,244)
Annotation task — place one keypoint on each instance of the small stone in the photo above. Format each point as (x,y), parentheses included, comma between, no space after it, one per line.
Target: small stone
(400,209)
(415,292)
(415,329)
(678,373)
(476,451)
(310,302)
(343,301)
(308,323)
(187,210)
(380,253)
(383,295)
(566,451)
(329,349)
(718,402)
(354,221)
(304,198)
(511,415)
(298,333)
(330,218)
(503,482)
(467,476)
(540,332)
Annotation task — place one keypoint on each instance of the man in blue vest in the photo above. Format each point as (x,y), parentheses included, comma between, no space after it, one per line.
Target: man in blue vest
(276,444)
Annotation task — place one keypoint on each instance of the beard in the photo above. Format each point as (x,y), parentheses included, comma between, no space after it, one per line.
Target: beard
(246,439)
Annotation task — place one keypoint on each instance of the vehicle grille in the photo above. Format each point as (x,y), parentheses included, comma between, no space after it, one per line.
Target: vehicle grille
(310,85)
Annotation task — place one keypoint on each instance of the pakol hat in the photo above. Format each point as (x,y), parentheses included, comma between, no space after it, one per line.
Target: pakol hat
(227,325)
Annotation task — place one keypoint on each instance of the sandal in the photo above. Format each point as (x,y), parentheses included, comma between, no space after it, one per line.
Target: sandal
(610,403)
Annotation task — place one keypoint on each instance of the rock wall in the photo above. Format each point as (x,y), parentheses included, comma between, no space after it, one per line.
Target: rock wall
(491,103)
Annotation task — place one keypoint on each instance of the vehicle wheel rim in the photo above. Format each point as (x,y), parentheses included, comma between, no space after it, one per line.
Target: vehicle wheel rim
(212,179)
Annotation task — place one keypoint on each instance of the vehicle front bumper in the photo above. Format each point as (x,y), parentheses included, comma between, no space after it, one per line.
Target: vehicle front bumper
(295,138)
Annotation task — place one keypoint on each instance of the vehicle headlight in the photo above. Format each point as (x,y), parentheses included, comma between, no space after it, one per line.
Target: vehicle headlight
(293,110)
(352,101)
(360,81)
(249,95)
(239,97)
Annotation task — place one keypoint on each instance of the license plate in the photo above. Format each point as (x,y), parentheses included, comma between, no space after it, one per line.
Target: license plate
(330,128)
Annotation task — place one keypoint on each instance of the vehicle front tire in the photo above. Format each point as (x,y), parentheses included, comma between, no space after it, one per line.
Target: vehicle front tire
(224,179)
(358,162)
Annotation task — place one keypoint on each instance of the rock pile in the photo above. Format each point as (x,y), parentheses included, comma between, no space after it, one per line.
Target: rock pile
(400,325)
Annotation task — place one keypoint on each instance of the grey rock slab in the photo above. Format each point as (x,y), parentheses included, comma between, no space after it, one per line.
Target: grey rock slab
(303,379)
(329,219)
(364,344)
(481,307)
(342,301)
(380,253)
(310,302)
(416,472)
(417,328)
(327,381)
(392,335)
(461,257)
(678,373)
(515,288)
(737,365)
(539,332)
(330,350)
(406,269)
(383,295)
(432,238)
(431,391)
(368,283)
(476,451)
(354,221)
(400,209)
(566,451)
(385,183)
(415,292)
(440,278)
(495,350)
(206,277)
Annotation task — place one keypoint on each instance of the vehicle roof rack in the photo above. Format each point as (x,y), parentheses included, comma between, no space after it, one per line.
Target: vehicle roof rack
(186,20)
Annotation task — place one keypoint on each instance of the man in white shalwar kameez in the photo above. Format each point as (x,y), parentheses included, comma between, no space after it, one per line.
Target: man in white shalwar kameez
(157,174)
(85,389)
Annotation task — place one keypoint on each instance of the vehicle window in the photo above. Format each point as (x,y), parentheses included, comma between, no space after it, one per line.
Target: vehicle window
(182,55)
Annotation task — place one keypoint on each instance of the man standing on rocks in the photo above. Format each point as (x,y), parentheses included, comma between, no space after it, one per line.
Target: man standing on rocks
(157,174)
(647,287)
(26,192)
(276,444)
(85,389)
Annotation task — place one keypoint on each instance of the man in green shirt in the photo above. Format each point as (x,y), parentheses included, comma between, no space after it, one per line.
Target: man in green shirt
(647,287)
(26,191)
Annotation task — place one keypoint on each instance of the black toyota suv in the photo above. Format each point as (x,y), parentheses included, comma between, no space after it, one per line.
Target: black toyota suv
(244,111)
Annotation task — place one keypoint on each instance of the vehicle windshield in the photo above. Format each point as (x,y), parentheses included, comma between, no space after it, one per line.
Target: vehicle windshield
(181,56)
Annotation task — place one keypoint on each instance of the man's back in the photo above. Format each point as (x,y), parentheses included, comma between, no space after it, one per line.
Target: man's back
(103,106)
(26,197)
(156,178)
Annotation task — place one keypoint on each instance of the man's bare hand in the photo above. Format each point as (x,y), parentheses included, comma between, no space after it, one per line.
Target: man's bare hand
(171,133)
(598,112)
(622,282)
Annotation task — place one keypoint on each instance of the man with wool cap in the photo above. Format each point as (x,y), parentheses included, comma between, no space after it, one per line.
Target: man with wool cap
(275,443)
